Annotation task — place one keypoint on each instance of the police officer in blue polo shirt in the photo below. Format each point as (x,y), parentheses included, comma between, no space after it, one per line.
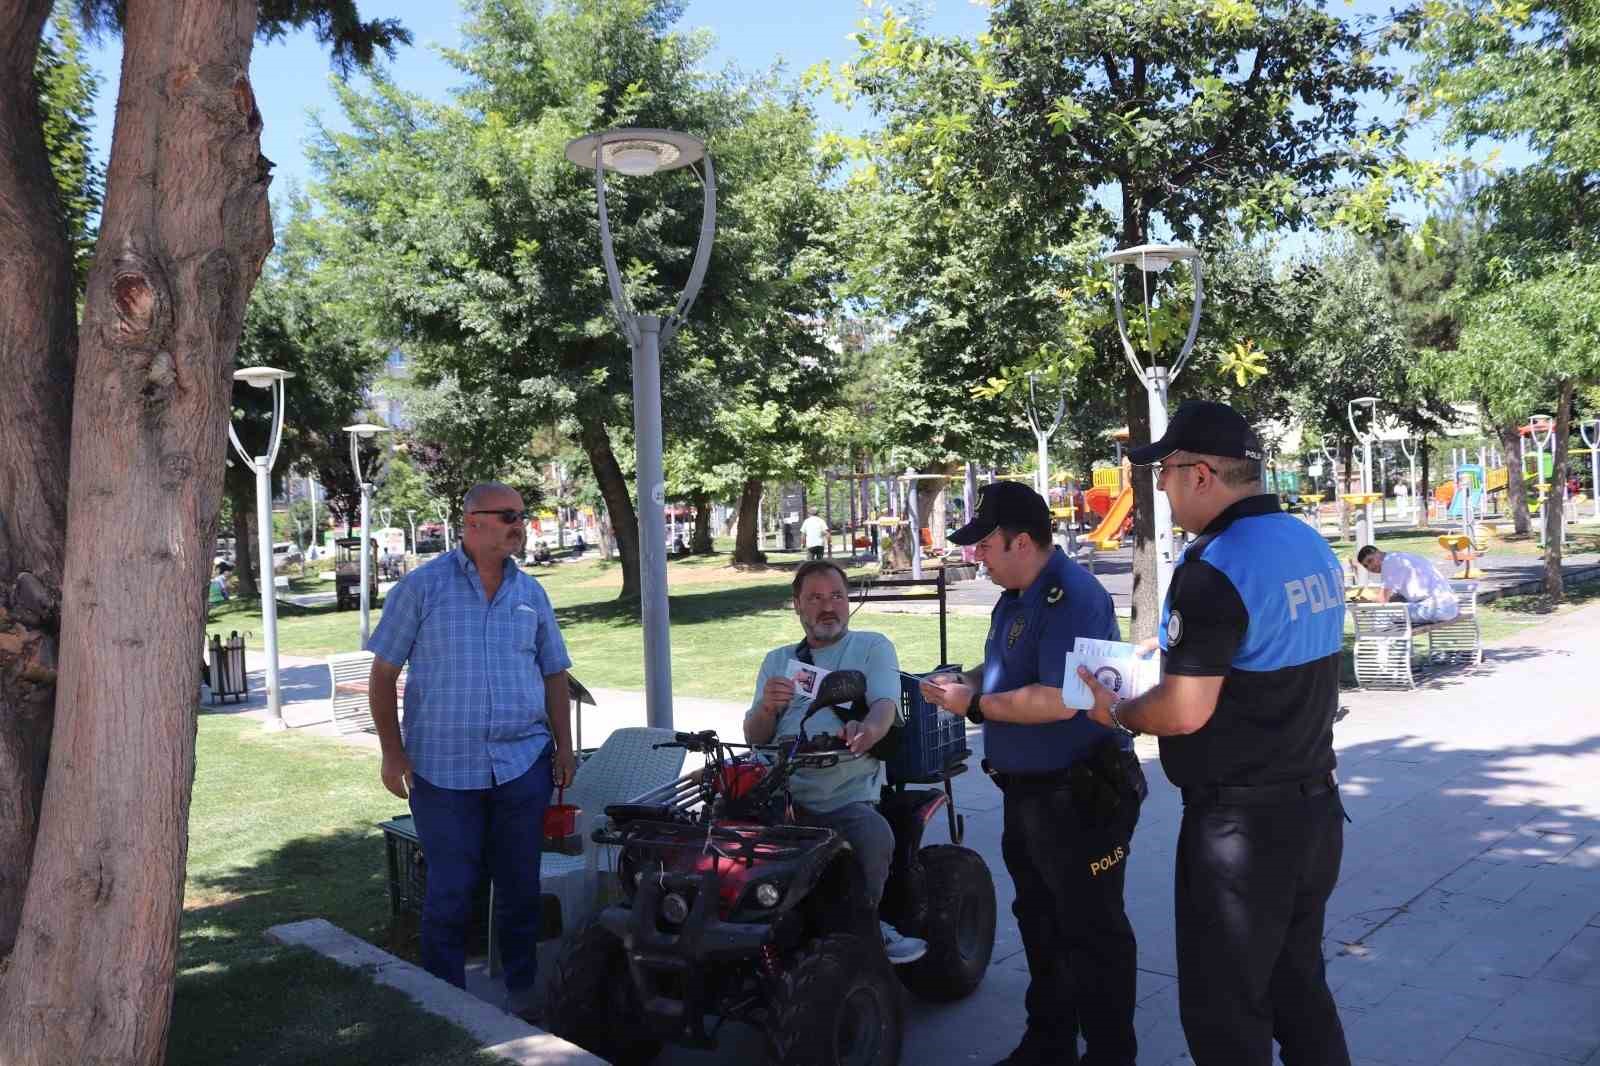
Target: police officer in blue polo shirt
(1251,634)
(1072,788)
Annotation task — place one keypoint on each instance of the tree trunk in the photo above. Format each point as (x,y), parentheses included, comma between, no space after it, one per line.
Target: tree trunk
(1424,493)
(1516,487)
(1555,504)
(930,501)
(244,545)
(619,505)
(183,235)
(38,342)
(700,540)
(1146,601)
(747,545)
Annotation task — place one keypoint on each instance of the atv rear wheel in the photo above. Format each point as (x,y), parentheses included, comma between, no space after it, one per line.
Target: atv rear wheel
(836,1004)
(591,1000)
(959,927)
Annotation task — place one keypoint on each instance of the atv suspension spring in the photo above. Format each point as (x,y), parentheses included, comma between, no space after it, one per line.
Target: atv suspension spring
(770,966)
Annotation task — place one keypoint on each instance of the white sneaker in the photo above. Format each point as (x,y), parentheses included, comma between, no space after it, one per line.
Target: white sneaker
(901,949)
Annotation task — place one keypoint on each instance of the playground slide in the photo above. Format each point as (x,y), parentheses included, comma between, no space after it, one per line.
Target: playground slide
(1108,534)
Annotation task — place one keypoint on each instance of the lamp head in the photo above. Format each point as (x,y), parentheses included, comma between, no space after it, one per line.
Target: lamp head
(636,152)
(262,377)
(1152,258)
(365,430)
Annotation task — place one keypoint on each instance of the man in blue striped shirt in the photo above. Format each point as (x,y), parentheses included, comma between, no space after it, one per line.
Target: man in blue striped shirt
(487,731)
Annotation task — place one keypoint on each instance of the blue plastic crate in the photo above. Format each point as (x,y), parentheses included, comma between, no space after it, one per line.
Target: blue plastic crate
(931,739)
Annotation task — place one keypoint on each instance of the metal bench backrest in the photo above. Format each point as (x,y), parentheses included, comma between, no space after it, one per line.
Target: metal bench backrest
(351,711)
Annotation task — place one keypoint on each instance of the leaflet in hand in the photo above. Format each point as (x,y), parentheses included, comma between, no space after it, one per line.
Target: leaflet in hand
(806,677)
(1114,664)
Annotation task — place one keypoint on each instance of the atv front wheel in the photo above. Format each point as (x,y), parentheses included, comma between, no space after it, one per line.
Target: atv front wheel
(591,1000)
(836,1004)
(960,925)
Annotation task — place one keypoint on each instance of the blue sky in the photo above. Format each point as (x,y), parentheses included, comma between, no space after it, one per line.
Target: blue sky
(291,77)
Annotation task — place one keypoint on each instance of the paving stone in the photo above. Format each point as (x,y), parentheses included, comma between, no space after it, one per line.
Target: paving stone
(1579,962)
(1412,1026)
(1488,880)
(1474,1052)
(1548,1017)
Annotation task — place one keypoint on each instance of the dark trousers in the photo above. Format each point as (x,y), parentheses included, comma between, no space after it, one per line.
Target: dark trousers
(1252,889)
(814,553)
(1069,866)
(466,833)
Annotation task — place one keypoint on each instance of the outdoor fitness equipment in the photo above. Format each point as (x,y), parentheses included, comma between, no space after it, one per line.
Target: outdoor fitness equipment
(1464,545)
(1364,409)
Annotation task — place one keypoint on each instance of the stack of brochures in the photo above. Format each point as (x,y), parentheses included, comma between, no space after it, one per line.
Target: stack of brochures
(1115,665)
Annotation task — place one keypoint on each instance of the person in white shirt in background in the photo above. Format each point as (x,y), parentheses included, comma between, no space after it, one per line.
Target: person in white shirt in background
(1414,581)
(815,531)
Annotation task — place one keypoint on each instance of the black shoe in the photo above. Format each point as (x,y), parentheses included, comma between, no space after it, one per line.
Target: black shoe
(1037,1049)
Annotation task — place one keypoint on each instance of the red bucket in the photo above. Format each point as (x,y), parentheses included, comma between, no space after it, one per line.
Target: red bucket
(561,826)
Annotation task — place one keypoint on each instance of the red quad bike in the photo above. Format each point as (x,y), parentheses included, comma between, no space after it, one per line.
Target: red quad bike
(731,910)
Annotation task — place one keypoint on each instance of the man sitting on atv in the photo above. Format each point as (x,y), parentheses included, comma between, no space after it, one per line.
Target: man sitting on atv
(837,797)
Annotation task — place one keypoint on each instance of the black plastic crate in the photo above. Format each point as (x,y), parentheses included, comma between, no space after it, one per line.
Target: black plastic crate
(408,872)
(931,740)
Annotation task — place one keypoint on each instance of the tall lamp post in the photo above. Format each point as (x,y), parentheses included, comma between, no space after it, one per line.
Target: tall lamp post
(641,153)
(359,432)
(1542,429)
(265,377)
(1153,259)
(1411,474)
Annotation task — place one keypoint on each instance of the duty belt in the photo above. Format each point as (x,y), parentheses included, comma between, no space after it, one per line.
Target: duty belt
(1260,795)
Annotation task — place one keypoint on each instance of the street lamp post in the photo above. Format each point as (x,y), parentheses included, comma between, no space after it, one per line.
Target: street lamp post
(1411,474)
(444,522)
(359,432)
(411,520)
(265,377)
(1542,428)
(1153,259)
(640,153)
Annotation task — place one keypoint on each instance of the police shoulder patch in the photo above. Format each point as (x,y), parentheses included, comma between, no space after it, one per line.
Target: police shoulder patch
(1174,628)
(1053,596)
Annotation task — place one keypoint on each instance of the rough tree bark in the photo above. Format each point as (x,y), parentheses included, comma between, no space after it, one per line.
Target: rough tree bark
(619,505)
(1516,487)
(38,342)
(700,541)
(183,234)
(244,569)
(746,546)
(1555,502)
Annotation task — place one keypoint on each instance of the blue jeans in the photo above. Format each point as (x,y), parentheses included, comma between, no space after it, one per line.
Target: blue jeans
(466,833)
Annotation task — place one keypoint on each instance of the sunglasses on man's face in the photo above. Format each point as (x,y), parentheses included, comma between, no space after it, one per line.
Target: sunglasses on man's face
(507,515)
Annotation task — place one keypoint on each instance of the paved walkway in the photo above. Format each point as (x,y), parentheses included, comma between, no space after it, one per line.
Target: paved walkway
(1465,930)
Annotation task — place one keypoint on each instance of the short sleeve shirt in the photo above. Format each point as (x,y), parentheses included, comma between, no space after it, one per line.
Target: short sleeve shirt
(1030,633)
(1258,600)
(815,531)
(1416,579)
(849,782)
(474,702)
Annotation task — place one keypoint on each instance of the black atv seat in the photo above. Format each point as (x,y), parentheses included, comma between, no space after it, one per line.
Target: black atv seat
(633,812)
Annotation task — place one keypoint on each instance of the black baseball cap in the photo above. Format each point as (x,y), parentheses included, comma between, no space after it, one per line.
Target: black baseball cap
(1205,428)
(1003,503)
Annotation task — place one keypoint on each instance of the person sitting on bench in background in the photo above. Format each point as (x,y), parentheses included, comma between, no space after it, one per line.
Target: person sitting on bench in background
(1412,580)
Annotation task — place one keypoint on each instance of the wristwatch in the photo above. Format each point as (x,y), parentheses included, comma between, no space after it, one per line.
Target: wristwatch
(1116,720)
(974,715)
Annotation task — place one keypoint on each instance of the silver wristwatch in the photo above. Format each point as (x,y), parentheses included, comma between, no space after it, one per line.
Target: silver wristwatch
(1116,719)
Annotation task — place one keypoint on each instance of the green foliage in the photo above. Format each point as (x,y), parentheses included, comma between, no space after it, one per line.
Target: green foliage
(337,25)
(67,89)
(301,319)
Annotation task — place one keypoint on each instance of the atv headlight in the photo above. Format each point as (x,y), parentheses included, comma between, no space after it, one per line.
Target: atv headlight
(767,894)
(674,908)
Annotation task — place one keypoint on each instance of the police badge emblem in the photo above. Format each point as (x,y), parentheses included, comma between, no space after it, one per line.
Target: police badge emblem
(1174,628)
(1053,597)
(1016,630)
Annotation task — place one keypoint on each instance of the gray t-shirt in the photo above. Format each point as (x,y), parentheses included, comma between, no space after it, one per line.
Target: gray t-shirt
(849,782)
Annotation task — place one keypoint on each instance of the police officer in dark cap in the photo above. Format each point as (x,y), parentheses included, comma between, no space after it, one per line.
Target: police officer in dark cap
(1072,788)
(1250,638)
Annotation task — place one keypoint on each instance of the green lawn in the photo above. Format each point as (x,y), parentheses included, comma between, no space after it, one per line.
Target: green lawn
(724,621)
(282,828)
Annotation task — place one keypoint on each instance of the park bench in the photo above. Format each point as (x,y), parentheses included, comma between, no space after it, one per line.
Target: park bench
(351,711)
(1385,635)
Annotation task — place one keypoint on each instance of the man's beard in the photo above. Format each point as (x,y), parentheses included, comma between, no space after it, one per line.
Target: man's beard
(825,632)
